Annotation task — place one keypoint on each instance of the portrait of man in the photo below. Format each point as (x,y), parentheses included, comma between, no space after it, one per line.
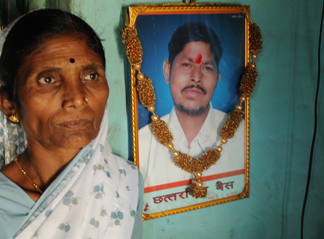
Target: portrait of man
(195,61)
(192,74)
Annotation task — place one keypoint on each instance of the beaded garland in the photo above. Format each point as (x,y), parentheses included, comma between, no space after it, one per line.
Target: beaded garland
(159,127)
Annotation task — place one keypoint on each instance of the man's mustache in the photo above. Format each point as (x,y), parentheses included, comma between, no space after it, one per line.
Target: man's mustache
(195,86)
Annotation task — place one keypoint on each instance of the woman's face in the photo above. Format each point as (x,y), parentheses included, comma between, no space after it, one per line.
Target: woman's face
(62,91)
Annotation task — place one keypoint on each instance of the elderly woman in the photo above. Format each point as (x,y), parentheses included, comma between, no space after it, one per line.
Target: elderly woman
(67,183)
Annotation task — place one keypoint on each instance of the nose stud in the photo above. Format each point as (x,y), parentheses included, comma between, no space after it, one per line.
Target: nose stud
(86,99)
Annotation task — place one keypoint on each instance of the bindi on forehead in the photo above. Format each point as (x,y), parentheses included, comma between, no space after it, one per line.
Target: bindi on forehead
(198,58)
(72,60)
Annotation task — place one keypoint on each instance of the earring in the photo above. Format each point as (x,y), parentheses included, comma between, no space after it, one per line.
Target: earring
(86,99)
(13,119)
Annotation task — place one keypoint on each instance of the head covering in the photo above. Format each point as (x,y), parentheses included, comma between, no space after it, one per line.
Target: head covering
(12,137)
(12,140)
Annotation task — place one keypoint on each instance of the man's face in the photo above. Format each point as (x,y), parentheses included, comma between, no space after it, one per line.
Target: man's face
(193,78)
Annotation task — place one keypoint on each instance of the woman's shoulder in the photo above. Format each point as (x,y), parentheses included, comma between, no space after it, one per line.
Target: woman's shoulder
(11,172)
(124,169)
(8,169)
(9,176)
(116,160)
(125,165)
(15,204)
(12,197)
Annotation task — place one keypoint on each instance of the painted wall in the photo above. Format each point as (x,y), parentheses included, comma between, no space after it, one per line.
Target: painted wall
(281,130)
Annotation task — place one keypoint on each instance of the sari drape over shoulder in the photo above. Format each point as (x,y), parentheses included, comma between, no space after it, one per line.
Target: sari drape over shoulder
(98,195)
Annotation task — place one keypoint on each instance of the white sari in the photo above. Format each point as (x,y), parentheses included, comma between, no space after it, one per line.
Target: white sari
(98,195)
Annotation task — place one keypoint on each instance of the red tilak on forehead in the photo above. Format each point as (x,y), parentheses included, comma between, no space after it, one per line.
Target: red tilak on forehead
(198,59)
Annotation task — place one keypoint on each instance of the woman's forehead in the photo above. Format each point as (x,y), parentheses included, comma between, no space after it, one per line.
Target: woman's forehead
(59,39)
(61,54)
(65,47)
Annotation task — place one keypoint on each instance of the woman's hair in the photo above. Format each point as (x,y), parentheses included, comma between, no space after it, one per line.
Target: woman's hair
(31,31)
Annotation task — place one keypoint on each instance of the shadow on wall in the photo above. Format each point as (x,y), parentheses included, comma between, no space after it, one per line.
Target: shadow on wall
(64,5)
(14,9)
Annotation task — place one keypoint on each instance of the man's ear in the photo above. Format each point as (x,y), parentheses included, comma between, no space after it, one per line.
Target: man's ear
(166,71)
(218,78)
(7,106)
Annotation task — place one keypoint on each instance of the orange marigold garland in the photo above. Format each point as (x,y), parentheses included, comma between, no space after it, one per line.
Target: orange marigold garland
(160,129)
(189,164)
(248,80)
(146,92)
(250,74)
(255,38)
(197,192)
(232,123)
(133,45)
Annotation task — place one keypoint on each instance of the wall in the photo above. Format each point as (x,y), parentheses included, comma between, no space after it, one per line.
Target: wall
(281,130)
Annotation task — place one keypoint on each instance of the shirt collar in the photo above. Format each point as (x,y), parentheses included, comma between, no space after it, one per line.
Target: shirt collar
(207,137)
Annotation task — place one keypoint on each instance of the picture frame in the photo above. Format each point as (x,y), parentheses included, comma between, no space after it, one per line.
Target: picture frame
(166,190)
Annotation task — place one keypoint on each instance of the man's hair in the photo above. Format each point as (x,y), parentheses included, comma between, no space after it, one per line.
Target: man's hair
(191,32)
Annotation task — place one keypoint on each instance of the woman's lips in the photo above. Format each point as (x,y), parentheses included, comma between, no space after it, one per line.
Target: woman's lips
(75,124)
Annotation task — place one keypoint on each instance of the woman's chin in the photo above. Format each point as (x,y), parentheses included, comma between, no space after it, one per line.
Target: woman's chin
(78,142)
(74,141)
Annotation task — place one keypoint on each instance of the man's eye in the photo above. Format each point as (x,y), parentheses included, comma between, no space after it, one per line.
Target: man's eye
(186,64)
(92,76)
(209,68)
(46,80)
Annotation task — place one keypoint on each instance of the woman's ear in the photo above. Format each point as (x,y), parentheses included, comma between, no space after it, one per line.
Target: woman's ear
(7,106)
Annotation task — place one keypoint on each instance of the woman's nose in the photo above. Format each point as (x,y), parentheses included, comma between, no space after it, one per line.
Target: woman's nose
(74,96)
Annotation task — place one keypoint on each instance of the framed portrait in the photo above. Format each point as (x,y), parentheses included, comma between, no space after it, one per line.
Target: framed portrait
(194,56)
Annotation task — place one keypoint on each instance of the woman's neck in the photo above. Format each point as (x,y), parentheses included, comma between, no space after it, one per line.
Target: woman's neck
(45,165)
(41,165)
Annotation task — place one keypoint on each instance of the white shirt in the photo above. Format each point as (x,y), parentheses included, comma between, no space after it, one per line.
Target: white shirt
(156,160)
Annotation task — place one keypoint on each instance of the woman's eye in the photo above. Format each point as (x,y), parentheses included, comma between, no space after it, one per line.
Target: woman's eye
(92,76)
(46,80)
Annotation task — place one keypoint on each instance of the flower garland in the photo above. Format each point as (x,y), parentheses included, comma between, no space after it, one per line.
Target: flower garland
(159,127)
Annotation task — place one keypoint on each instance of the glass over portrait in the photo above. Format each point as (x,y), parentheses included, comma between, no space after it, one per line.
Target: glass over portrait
(195,58)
